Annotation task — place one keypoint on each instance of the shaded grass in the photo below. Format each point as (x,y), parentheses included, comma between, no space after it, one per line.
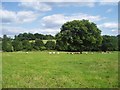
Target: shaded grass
(40,69)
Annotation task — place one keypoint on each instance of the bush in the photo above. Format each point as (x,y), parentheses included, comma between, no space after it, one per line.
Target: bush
(50,45)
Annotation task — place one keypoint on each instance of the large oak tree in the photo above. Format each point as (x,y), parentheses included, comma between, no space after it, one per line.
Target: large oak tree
(78,35)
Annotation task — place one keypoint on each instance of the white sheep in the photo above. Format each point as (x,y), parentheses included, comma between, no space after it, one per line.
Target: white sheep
(50,52)
(53,52)
(58,53)
(86,52)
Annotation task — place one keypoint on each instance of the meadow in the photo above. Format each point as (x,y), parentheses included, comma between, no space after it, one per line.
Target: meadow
(41,70)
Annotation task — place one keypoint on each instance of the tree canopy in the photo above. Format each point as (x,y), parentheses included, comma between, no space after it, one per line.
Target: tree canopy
(109,43)
(78,35)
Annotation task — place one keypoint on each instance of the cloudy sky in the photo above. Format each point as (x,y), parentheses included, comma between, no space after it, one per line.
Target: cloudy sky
(47,17)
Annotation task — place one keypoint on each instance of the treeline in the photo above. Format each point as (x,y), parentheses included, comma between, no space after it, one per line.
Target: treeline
(109,43)
(30,36)
(25,43)
(75,36)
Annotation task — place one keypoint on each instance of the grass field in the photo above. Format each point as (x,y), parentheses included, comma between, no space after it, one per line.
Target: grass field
(40,70)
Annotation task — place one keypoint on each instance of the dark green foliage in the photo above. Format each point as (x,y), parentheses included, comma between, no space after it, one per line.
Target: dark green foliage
(17,45)
(39,36)
(109,43)
(0,44)
(50,45)
(118,42)
(7,44)
(30,36)
(39,45)
(0,38)
(78,35)
(48,37)
(26,45)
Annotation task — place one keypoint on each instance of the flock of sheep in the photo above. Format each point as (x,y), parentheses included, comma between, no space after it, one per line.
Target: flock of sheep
(74,52)
(54,53)
(77,52)
(68,52)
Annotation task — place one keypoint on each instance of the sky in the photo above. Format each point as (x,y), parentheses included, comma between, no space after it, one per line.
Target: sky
(48,17)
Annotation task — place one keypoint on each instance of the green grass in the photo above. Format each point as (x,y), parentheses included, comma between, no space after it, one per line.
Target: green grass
(40,70)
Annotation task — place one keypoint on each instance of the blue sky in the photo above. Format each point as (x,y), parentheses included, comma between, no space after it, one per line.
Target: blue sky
(47,18)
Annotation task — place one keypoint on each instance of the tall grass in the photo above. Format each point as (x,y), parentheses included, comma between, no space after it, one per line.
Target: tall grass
(40,69)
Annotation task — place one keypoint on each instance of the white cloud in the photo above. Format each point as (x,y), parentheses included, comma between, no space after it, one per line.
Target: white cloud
(11,31)
(53,21)
(56,20)
(26,16)
(109,10)
(75,4)
(36,6)
(52,26)
(48,0)
(8,17)
(114,30)
(109,28)
(60,0)
(80,16)
(109,25)
(108,2)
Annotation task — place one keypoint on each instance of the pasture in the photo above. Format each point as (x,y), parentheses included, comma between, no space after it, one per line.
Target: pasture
(41,70)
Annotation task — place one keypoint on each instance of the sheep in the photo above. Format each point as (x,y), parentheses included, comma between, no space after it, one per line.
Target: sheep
(71,53)
(53,52)
(50,52)
(91,52)
(86,52)
(77,52)
(26,52)
(58,53)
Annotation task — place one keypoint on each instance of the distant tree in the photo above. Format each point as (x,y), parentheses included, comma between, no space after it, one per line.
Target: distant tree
(31,36)
(26,45)
(0,43)
(50,45)
(39,45)
(26,36)
(39,36)
(7,44)
(48,37)
(0,38)
(118,41)
(78,35)
(17,45)
(109,43)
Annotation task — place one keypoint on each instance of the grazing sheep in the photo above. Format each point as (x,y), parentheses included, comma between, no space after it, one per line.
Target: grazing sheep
(53,52)
(26,52)
(86,52)
(77,52)
(58,53)
(72,53)
(103,52)
(50,52)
